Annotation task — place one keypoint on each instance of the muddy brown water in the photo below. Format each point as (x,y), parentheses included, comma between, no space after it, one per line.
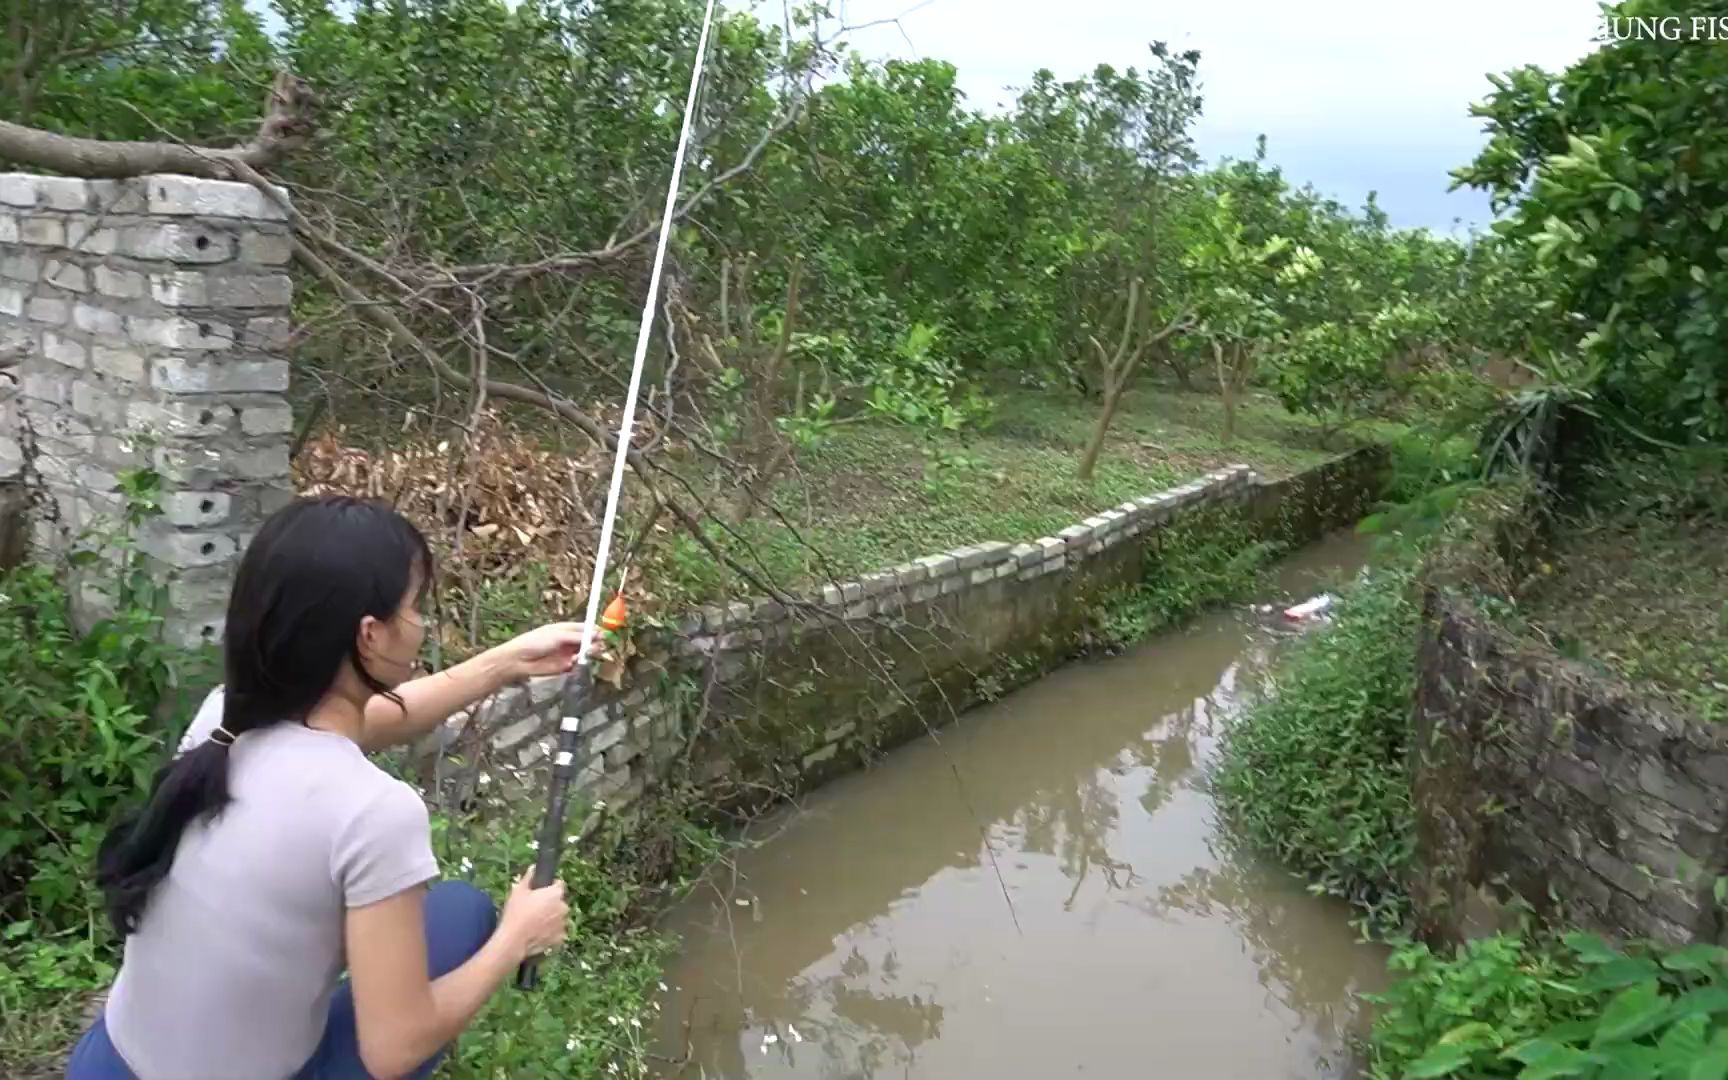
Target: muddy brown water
(869,935)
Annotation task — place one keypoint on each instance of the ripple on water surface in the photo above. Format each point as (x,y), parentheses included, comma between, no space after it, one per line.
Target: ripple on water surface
(871,936)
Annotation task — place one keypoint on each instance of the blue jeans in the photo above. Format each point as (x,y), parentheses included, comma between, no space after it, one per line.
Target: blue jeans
(459,920)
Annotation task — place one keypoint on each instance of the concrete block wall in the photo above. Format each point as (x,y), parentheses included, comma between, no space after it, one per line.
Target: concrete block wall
(967,611)
(1537,778)
(152,316)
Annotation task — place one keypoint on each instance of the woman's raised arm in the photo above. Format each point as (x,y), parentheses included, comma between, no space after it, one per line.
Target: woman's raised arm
(429,700)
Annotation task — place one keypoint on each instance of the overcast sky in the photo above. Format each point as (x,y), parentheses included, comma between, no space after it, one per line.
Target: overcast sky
(1355,95)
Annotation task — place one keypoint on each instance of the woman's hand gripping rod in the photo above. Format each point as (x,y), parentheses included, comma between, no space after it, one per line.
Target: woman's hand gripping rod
(549,852)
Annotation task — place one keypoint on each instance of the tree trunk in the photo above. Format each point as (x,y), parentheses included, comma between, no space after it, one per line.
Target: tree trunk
(1184,377)
(1089,462)
(1226,389)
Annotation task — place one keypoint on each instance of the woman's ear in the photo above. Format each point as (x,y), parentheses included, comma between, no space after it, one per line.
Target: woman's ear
(366,637)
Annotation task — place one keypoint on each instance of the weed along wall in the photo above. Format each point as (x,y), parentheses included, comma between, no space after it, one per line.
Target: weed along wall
(146,325)
(1539,778)
(763,702)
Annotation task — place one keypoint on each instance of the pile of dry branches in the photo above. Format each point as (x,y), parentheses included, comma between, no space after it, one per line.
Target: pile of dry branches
(495,506)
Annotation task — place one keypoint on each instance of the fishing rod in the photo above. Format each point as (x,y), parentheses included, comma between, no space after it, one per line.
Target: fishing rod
(581,680)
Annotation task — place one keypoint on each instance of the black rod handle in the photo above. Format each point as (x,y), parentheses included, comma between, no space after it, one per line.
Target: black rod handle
(550,851)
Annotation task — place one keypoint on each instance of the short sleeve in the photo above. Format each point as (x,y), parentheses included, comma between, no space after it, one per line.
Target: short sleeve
(385,848)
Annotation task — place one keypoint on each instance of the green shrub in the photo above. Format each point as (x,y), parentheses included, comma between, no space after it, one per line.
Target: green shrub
(77,740)
(1508,1006)
(1315,773)
(1192,566)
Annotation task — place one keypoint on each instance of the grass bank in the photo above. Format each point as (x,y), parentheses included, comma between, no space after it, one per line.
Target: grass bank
(877,494)
(1636,584)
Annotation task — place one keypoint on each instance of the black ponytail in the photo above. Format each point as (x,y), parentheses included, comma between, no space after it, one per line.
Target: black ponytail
(316,568)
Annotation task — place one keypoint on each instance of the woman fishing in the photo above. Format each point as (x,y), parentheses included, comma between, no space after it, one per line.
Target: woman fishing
(271,855)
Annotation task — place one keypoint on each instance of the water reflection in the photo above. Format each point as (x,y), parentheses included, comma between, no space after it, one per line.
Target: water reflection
(1100,929)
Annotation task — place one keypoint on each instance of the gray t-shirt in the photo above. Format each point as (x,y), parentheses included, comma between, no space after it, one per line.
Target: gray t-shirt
(231,970)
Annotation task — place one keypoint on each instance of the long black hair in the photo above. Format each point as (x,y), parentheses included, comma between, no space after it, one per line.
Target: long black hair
(316,568)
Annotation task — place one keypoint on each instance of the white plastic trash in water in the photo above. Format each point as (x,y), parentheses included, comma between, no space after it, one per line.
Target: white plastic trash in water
(1309,609)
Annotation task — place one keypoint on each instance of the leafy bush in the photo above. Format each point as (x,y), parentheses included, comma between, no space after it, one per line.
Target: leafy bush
(1315,773)
(1194,565)
(1575,1007)
(77,739)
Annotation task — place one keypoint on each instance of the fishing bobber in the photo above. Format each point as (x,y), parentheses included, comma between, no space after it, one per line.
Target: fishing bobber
(615,615)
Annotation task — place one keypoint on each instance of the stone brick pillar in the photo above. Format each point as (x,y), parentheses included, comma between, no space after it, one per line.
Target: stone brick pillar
(152,315)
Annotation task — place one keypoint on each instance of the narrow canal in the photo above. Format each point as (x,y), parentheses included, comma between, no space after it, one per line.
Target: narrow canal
(872,935)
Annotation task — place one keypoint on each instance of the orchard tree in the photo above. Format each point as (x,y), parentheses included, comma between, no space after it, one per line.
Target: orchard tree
(1237,286)
(1615,172)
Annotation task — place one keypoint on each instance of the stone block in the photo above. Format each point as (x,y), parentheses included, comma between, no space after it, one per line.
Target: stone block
(187,549)
(50,388)
(48,309)
(187,242)
(545,689)
(221,288)
(224,375)
(189,466)
(199,590)
(196,509)
(1674,788)
(186,196)
(1618,873)
(21,266)
(1026,554)
(185,419)
(265,249)
(937,565)
(99,484)
(909,573)
(42,232)
(270,334)
(595,719)
(121,284)
(604,737)
(65,275)
(18,189)
(8,228)
(118,362)
(965,558)
(95,319)
(90,402)
(61,193)
(121,452)
(177,333)
(1075,536)
(262,463)
(63,350)
(517,733)
(92,239)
